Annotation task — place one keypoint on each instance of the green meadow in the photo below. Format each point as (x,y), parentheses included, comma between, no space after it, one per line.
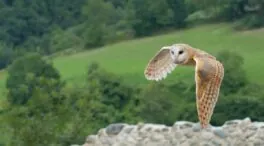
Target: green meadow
(129,58)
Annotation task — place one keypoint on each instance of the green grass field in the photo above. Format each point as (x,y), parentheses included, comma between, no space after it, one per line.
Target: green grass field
(129,58)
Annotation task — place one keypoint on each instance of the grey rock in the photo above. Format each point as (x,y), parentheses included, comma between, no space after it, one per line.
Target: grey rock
(219,132)
(207,135)
(182,133)
(91,139)
(114,129)
(215,143)
(183,124)
(107,141)
(232,122)
(140,125)
(128,129)
(188,134)
(178,135)
(166,129)
(196,127)
(244,124)
(157,137)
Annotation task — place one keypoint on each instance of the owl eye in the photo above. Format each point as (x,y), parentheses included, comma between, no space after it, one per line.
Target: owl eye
(172,52)
(180,52)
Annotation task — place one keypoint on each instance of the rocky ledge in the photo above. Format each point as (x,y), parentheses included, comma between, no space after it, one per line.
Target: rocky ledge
(182,133)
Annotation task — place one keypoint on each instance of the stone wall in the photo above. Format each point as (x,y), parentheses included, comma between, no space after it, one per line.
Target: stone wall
(182,133)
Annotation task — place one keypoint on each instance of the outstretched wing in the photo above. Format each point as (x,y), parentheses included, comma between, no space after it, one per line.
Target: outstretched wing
(160,65)
(209,74)
(204,54)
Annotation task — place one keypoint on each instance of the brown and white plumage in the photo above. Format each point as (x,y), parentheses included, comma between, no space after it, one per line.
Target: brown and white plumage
(160,65)
(209,74)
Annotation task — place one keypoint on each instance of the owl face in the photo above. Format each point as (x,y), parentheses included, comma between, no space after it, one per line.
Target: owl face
(179,54)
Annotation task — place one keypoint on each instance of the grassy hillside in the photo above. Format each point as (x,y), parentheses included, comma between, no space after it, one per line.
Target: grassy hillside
(129,58)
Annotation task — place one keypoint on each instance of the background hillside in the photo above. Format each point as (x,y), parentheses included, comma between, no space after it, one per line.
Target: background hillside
(70,68)
(129,58)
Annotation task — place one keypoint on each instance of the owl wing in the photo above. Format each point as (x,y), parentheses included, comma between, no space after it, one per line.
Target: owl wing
(209,74)
(204,54)
(160,65)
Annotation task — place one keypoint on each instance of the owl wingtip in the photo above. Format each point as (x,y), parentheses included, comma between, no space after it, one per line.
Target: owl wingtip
(150,77)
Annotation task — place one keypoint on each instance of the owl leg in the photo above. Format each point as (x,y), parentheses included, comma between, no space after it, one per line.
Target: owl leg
(197,127)
(218,131)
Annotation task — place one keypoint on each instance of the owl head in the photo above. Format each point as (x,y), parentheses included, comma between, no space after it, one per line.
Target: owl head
(180,53)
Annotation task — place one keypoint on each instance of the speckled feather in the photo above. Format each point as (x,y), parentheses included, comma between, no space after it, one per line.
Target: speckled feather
(209,74)
(160,65)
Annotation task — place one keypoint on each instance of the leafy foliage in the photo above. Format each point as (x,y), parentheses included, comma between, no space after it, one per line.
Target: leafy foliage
(235,77)
(238,106)
(113,91)
(27,73)
(249,13)
(6,55)
(149,16)
(157,104)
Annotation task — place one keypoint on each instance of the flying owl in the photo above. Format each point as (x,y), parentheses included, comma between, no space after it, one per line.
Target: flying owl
(209,74)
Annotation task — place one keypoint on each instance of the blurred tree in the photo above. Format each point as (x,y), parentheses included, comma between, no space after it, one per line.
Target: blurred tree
(41,113)
(180,13)
(25,74)
(238,106)
(235,76)
(159,105)
(112,89)
(149,16)
(102,28)
(118,3)
(24,23)
(6,55)
(248,13)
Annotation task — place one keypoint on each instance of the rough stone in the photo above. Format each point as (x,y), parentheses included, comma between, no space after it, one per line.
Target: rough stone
(114,129)
(219,132)
(183,133)
(91,139)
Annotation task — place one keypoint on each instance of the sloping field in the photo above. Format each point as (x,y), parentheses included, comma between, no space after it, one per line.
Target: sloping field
(129,58)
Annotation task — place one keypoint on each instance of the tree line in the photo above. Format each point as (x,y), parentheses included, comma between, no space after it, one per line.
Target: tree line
(52,26)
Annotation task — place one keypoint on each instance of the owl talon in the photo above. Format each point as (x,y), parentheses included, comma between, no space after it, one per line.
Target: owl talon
(197,127)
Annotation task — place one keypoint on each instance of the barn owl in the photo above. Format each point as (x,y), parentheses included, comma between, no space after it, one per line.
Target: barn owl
(209,74)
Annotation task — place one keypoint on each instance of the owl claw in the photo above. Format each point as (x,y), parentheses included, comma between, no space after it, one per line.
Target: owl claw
(198,127)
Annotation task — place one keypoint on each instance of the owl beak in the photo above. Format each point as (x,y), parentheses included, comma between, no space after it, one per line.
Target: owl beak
(178,62)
